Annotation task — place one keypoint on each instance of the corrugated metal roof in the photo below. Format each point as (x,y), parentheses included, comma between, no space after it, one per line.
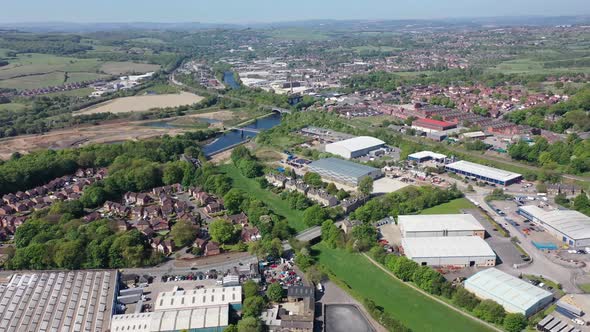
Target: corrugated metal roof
(347,168)
(426,154)
(484,171)
(454,246)
(573,224)
(439,222)
(357,143)
(514,294)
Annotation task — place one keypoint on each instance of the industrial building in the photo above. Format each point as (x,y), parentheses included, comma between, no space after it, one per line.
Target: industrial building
(342,171)
(194,298)
(569,226)
(430,125)
(355,147)
(483,173)
(460,251)
(209,319)
(58,301)
(440,225)
(423,156)
(514,294)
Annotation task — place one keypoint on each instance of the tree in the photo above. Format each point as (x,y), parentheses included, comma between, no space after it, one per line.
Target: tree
(490,311)
(232,201)
(515,322)
(231,328)
(331,188)
(366,185)
(313,179)
(275,292)
(364,237)
(183,232)
(240,152)
(250,288)
(221,231)
(331,234)
(173,173)
(581,202)
(465,299)
(93,196)
(249,324)
(250,168)
(253,306)
(314,215)
(68,255)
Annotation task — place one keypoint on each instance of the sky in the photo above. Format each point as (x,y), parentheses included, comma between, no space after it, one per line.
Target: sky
(258,11)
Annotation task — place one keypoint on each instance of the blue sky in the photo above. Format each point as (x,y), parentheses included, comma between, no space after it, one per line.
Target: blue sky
(251,11)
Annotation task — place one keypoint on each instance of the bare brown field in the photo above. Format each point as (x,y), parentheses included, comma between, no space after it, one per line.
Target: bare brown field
(142,103)
(75,137)
(118,68)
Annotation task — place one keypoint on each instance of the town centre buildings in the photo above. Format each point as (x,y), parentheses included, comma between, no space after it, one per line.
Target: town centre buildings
(569,226)
(514,294)
(483,173)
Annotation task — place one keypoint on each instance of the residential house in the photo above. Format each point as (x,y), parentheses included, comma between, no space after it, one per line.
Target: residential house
(214,207)
(277,180)
(122,225)
(212,248)
(160,225)
(130,198)
(323,197)
(238,219)
(250,234)
(6,210)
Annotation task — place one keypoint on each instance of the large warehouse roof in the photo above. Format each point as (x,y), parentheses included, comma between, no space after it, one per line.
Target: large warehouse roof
(347,168)
(175,320)
(514,294)
(436,222)
(357,143)
(572,223)
(484,171)
(459,246)
(198,298)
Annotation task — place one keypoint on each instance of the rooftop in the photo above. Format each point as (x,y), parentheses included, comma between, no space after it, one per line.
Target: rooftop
(434,222)
(432,122)
(357,143)
(572,223)
(511,292)
(426,154)
(485,171)
(196,298)
(453,246)
(174,320)
(342,167)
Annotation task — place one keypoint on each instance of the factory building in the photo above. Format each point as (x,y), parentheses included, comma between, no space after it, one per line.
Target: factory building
(423,156)
(514,294)
(58,301)
(440,225)
(355,147)
(569,226)
(483,173)
(342,171)
(459,251)
(430,125)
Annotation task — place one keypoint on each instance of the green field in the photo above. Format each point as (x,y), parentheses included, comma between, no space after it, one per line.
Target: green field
(451,207)
(531,66)
(12,107)
(298,34)
(279,206)
(414,309)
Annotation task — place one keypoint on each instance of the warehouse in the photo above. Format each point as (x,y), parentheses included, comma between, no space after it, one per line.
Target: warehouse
(342,171)
(355,147)
(208,319)
(460,251)
(430,125)
(436,225)
(195,298)
(484,173)
(423,156)
(514,294)
(569,226)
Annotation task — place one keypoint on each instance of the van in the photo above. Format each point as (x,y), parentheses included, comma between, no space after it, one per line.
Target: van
(320,287)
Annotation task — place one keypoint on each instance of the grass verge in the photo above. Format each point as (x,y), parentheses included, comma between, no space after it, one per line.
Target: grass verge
(454,206)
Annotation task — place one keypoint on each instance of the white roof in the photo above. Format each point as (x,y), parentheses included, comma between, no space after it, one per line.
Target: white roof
(514,294)
(484,171)
(357,143)
(198,298)
(573,224)
(439,222)
(425,154)
(474,134)
(173,320)
(449,246)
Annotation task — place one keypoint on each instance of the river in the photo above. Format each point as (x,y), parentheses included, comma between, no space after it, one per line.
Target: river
(229,79)
(236,136)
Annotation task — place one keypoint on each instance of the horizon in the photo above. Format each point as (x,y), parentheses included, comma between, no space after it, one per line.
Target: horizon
(268,12)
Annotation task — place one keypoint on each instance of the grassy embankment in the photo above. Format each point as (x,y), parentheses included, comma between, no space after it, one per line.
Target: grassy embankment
(279,206)
(414,309)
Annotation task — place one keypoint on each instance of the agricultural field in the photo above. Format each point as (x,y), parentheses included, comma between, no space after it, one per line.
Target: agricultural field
(532,66)
(414,309)
(298,34)
(118,68)
(279,206)
(12,107)
(451,207)
(142,103)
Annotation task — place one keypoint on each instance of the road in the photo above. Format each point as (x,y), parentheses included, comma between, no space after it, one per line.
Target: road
(492,327)
(541,265)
